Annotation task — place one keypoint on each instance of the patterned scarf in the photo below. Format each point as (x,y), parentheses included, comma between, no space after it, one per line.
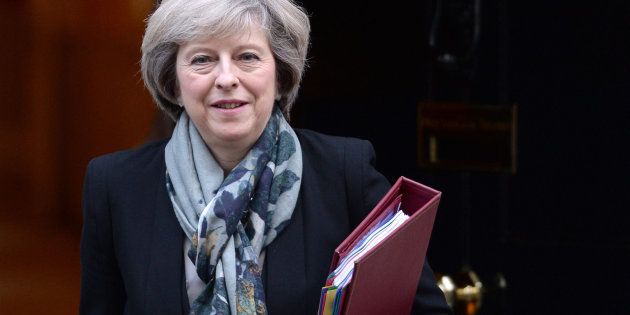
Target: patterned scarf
(230,221)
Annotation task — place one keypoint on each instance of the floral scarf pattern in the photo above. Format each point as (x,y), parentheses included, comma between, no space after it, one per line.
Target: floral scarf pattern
(231,220)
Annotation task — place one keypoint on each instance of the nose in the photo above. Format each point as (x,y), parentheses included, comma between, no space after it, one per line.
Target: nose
(226,78)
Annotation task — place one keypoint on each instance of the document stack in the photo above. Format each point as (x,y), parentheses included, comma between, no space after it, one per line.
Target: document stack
(376,269)
(332,294)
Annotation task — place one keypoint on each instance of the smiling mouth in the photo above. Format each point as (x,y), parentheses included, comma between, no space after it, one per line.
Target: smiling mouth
(228,105)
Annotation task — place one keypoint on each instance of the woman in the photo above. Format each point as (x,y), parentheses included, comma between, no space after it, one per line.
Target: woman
(237,212)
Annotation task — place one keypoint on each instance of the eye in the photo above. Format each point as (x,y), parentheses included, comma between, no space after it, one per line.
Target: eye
(199,60)
(249,57)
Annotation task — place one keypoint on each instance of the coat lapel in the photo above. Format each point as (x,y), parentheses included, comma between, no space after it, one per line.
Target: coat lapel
(285,283)
(164,283)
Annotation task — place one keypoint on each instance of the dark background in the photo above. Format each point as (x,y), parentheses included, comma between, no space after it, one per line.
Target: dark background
(558,229)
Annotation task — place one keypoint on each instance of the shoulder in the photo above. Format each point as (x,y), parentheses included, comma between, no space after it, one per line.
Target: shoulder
(343,155)
(334,147)
(344,164)
(126,164)
(131,158)
(315,138)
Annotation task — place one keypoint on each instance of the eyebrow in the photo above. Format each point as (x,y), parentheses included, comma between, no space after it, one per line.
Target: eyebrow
(192,48)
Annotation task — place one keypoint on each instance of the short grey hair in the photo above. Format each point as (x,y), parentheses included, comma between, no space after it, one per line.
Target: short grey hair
(176,22)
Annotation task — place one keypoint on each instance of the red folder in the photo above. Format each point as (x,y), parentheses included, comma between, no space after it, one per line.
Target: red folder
(385,280)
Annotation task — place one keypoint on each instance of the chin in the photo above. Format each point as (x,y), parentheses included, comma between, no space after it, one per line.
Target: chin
(236,137)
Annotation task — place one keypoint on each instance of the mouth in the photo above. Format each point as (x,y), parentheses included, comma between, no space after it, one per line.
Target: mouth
(228,104)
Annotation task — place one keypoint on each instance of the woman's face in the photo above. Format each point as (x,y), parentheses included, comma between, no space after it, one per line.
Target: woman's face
(228,86)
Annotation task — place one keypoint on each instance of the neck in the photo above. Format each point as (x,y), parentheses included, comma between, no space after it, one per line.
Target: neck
(228,157)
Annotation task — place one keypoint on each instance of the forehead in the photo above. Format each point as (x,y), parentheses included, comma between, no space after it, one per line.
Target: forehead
(253,35)
(228,25)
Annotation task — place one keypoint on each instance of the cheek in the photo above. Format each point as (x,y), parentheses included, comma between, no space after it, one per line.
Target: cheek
(190,84)
(191,89)
(265,86)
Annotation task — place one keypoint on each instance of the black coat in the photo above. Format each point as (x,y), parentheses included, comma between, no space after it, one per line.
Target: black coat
(132,244)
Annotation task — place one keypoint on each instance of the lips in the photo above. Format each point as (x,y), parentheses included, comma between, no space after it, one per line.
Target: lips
(228,104)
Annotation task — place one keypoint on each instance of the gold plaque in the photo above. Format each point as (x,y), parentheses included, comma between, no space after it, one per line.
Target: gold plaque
(457,136)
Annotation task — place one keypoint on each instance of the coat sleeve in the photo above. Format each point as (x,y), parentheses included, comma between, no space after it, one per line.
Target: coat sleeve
(102,290)
(366,186)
